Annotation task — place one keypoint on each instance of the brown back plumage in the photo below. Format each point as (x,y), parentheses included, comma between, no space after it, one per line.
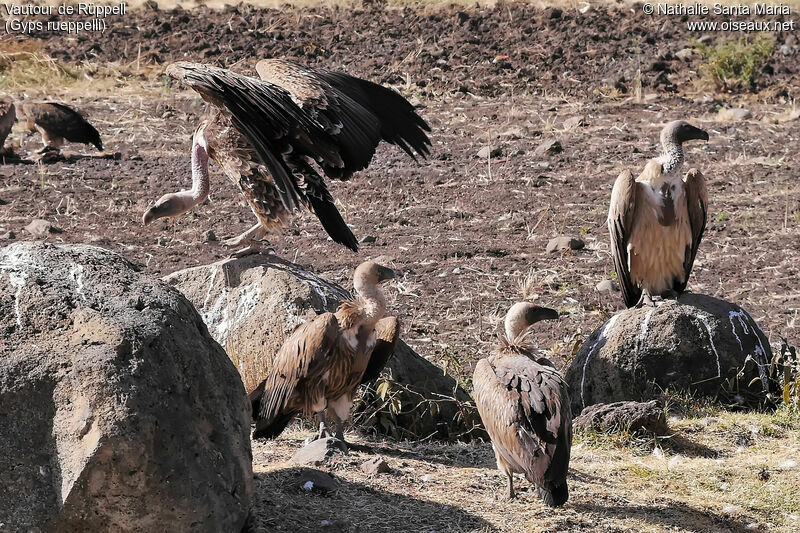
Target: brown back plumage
(297,380)
(524,406)
(388,335)
(621,214)
(60,121)
(697,204)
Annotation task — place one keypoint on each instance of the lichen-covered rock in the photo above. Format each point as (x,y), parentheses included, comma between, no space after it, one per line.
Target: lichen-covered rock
(118,410)
(252,304)
(698,343)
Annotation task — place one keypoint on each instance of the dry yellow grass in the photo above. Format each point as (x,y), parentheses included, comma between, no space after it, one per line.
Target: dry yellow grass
(721,471)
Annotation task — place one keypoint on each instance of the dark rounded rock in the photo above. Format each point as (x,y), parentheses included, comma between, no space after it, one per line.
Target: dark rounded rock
(700,343)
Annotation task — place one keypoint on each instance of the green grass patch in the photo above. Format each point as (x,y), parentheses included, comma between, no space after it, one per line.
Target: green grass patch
(734,63)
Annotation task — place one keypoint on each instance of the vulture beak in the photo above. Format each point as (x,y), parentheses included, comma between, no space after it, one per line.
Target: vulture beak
(148,217)
(536,313)
(693,133)
(385,274)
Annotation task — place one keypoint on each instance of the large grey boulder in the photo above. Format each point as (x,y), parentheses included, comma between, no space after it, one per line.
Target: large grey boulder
(698,343)
(252,304)
(118,411)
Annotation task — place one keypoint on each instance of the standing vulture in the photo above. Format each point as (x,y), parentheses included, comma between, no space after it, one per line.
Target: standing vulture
(524,405)
(274,136)
(656,222)
(322,363)
(7,117)
(57,123)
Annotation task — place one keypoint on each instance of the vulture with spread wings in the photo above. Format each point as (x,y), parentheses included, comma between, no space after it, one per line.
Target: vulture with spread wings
(276,136)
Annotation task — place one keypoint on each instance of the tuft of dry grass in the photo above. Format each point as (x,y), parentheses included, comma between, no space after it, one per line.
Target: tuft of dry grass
(26,68)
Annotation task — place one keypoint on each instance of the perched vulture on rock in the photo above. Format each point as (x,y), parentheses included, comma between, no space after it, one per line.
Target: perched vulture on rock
(275,136)
(8,115)
(524,405)
(322,363)
(57,123)
(656,222)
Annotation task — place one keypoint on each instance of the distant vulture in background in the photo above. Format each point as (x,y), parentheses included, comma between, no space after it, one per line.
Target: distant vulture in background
(524,405)
(322,363)
(273,136)
(57,123)
(656,222)
(8,115)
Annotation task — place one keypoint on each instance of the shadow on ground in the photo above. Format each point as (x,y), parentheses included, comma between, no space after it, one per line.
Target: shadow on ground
(279,505)
(670,515)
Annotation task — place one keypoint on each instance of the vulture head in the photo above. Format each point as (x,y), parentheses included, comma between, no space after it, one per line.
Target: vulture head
(370,273)
(177,203)
(679,131)
(522,315)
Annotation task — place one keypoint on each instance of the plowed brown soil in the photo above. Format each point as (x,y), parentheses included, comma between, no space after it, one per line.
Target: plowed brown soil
(467,233)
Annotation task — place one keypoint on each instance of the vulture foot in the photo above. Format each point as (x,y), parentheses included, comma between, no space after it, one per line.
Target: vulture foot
(646,299)
(253,234)
(251,250)
(670,295)
(349,445)
(363,448)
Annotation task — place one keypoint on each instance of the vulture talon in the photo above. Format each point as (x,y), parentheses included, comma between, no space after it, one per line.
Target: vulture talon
(656,222)
(524,404)
(255,233)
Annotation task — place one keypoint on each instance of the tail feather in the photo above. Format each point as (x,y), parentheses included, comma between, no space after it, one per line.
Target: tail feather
(332,221)
(556,496)
(268,426)
(269,429)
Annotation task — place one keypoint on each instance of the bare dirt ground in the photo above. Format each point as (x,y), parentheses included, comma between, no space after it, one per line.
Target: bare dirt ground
(467,233)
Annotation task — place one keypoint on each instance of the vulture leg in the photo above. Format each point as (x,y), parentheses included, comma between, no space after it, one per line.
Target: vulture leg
(510,494)
(323,426)
(253,234)
(501,465)
(341,409)
(645,299)
(251,238)
(50,142)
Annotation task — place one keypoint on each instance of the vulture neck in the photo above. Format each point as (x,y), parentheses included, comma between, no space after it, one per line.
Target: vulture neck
(515,324)
(200,181)
(672,158)
(183,201)
(371,300)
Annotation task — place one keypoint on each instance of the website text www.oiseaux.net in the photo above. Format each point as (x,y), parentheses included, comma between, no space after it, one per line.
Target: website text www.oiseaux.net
(773,17)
